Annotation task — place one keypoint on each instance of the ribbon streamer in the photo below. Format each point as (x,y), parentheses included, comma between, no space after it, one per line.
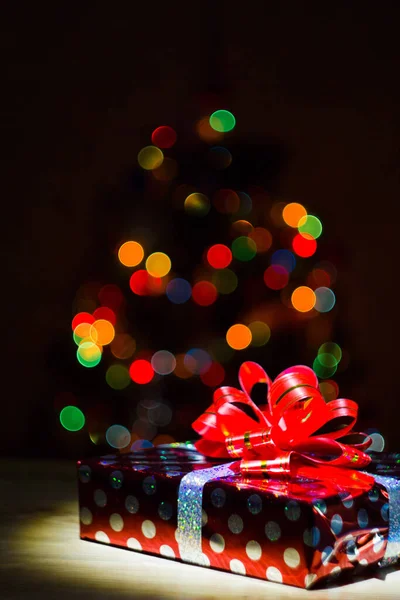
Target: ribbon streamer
(393,543)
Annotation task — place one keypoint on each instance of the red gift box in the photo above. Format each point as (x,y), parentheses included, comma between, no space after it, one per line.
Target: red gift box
(293,532)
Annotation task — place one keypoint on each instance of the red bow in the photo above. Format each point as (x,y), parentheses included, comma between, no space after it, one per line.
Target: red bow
(294,435)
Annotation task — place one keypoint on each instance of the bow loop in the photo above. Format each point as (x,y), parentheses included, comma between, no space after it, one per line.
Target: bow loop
(296,433)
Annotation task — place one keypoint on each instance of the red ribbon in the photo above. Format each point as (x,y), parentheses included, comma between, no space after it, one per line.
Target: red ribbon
(294,435)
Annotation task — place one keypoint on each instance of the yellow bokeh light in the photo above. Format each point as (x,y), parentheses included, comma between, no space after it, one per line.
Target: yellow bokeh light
(102,332)
(292,213)
(303,298)
(238,336)
(82,331)
(150,158)
(158,264)
(130,254)
(260,333)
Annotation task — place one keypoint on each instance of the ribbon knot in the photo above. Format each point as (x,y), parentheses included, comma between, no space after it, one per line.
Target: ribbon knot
(294,434)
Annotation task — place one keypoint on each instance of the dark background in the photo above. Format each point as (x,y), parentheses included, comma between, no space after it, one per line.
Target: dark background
(83,85)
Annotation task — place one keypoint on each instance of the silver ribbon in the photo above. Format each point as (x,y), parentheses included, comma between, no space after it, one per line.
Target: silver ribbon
(190,506)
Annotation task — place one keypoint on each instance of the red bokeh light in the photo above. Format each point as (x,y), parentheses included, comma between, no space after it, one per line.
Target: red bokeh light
(276,277)
(319,278)
(204,293)
(163,137)
(105,313)
(304,245)
(138,282)
(141,371)
(82,317)
(226,201)
(214,376)
(219,256)
(110,295)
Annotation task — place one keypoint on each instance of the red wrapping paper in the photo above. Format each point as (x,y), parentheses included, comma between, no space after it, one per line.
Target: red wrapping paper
(292,532)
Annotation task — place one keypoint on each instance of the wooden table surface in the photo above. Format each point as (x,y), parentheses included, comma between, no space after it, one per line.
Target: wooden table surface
(43,557)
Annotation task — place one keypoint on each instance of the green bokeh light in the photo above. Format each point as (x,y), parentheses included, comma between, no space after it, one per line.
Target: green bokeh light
(225,280)
(244,249)
(117,377)
(311,225)
(330,348)
(222,120)
(72,418)
(325,371)
(260,333)
(88,354)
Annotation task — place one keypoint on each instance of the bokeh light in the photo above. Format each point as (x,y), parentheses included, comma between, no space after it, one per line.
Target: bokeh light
(304,245)
(197,205)
(318,278)
(222,120)
(130,254)
(117,377)
(110,295)
(262,239)
(219,157)
(260,333)
(163,137)
(324,371)
(179,290)
(141,371)
(150,158)
(102,332)
(226,201)
(285,259)
(219,256)
(143,284)
(244,249)
(329,390)
(158,264)
(310,224)
(214,376)
(245,205)
(276,214)
(180,369)
(72,418)
(82,332)
(82,317)
(225,280)
(238,336)
(167,171)
(303,298)
(330,348)
(378,442)
(103,312)
(118,437)
(197,361)
(325,299)
(276,277)
(89,354)
(241,227)
(123,346)
(292,213)
(163,362)
(204,293)
(206,132)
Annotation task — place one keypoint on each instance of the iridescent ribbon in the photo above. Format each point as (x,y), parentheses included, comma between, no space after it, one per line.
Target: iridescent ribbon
(392,486)
(190,506)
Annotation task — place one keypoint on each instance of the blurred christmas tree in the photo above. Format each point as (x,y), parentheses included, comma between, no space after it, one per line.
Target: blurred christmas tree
(209,268)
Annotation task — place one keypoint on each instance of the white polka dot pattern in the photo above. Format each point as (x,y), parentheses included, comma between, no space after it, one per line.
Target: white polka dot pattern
(148,529)
(291,558)
(100,498)
(100,536)
(86,516)
(253,550)
(237,566)
(385,512)
(218,497)
(326,554)
(320,505)
(292,510)
(351,550)
(84,473)
(149,485)
(165,510)
(167,551)
(309,579)
(312,537)
(362,518)
(204,561)
(274,574)
(254,504)
(235,524)
(217,543)
(134,544)
(177,535)
(116,522)
(204,518)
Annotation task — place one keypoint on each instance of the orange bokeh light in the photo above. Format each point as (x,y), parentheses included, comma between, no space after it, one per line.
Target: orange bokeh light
(262,239)
(102,332)
(131,254)
(238,336)
(303,299)
(292,213)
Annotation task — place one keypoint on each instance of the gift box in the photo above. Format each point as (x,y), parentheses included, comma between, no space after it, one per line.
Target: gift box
(291,508)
